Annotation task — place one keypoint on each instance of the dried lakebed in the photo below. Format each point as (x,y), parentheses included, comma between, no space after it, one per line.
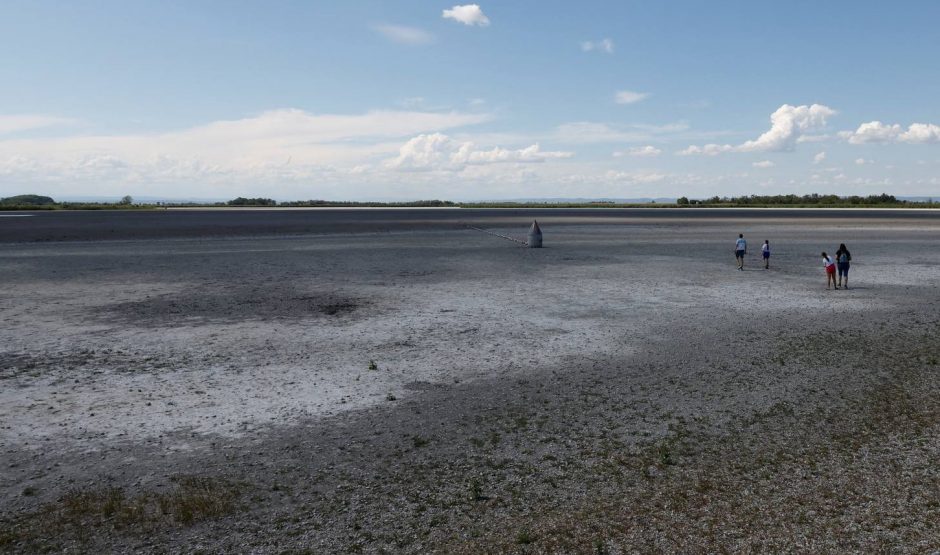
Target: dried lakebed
(624,389)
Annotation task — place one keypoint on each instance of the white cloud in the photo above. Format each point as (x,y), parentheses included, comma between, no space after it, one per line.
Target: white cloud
(612,177)
(763,164)
(404,35)
(605,45)
(921,133)
(873,132)
(279,146)
(629,97)
(468,14)
(812,138)
(788,124)
(707,150)
(640,151)
(877,132)
(437,151)
(819,158)
(635,177)
(26,122)
(862,161)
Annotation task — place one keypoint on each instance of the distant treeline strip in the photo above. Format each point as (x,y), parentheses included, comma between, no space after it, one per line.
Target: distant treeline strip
(38,202)
(805,200)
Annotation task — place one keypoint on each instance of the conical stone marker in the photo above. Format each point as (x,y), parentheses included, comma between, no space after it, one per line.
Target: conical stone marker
(535,236)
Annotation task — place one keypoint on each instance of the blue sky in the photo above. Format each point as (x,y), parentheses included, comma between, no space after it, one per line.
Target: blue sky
(404,100)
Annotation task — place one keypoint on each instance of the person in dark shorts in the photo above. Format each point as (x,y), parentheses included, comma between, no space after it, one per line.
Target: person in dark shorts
(765,252)
(843,258)
(740,249)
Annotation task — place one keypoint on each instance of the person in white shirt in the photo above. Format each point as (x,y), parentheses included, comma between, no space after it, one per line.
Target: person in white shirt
(830,266)
(765,252)
(740,249)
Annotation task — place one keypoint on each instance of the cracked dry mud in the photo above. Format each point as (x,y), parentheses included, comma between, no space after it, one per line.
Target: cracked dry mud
(622,390)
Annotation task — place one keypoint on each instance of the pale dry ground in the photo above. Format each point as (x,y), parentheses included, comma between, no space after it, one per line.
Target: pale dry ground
(572,398)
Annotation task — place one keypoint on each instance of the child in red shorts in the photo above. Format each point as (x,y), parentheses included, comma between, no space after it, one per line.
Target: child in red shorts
(830,265)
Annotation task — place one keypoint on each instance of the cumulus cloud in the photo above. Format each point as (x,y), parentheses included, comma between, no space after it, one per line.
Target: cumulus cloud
(404,35)
(877,132)
(873,132)
(630,97)
(604,45)
(788,124)
(763,164)
(819,158)
(437,151)
(862,161)
(15,123)
(468,14)
(921,133)
(647,151)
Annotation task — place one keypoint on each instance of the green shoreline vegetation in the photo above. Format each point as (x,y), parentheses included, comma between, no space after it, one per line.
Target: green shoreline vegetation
(40,202)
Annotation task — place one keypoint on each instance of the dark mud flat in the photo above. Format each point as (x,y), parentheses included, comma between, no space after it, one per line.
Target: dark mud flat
(625,390)
(229,306)
(122,224)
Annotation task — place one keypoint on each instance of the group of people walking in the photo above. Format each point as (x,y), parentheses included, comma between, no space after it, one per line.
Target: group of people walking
(740,249)
(838,267)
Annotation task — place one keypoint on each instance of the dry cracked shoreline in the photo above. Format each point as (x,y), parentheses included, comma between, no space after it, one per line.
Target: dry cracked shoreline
(622,391)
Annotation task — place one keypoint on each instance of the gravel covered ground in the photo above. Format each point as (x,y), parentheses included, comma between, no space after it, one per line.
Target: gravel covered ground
(436,389)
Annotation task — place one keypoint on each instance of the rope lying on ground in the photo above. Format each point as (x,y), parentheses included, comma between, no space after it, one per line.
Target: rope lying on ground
(513,239)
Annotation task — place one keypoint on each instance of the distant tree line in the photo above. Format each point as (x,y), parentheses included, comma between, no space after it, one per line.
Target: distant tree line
(416,203)
(242,201)
(41,202)
(814,199)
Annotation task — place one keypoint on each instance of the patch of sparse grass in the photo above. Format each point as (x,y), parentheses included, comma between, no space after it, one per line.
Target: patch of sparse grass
(419,441)
(475,486)
(373,365)
(524,537)
(69,518)
(495,438)
(664,455)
